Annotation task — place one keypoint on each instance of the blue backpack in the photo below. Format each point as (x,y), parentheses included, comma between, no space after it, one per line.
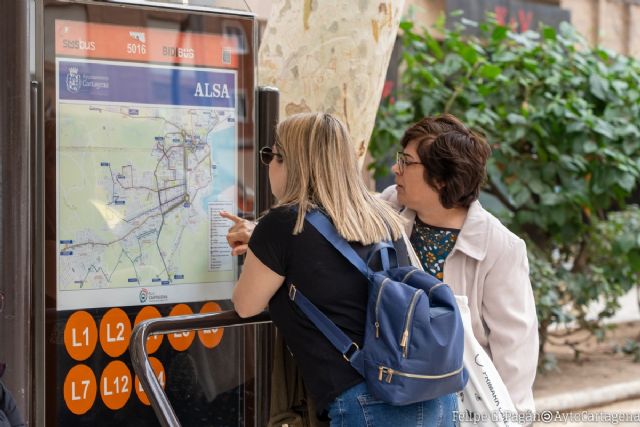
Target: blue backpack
(413,338)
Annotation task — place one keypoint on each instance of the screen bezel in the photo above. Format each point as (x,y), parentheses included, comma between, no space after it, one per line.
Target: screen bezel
(198,20)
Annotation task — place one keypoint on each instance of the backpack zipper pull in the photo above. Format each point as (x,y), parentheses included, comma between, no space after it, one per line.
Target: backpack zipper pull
(380,372)
(403,342)
(377,329)
(389,375)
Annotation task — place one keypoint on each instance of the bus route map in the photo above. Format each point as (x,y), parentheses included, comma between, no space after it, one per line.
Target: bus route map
(146,158)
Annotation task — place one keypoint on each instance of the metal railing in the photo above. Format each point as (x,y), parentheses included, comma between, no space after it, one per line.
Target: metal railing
(140,359)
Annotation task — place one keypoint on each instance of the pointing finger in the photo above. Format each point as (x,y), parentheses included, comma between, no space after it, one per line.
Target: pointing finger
(232,217)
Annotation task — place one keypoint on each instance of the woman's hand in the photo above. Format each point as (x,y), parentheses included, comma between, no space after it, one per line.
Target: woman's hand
(239,233)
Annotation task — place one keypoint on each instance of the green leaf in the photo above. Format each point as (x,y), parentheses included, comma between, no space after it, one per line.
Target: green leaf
(537,187)
(452,63)
(403,105)
(435,49)
(550,199)
(598,86)
(522,196)
(499,33)
(428,106)
(505,57)
(575,126)
(630,146)
(427,76)
(516,119)
(549,171)
(630,130)
(485,90)
(604,128)
(469,54)
(625,243)
(406,25)
(619,86)
(558,215)
(548,33)
(590,147)
(627,182)
(490,71)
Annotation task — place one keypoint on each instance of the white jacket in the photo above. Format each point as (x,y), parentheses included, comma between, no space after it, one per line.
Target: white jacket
(488,264)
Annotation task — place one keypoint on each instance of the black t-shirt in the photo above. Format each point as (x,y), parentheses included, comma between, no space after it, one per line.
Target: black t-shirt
(330,282)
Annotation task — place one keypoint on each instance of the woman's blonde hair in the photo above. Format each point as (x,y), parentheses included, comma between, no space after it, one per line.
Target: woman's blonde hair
(322,172)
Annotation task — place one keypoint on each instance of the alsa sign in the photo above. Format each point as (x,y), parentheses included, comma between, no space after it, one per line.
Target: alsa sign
(521,16)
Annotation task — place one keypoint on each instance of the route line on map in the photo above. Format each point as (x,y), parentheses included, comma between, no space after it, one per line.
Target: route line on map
(189,143)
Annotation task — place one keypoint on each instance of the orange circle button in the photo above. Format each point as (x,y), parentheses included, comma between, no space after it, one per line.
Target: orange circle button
(115,332)
(150,312)
(210,337)
(80,389)
(115,385)
(80,335)
(158,369)
(180,341)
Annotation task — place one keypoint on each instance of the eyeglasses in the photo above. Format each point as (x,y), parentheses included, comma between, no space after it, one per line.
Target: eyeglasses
(402,162)
(267,155)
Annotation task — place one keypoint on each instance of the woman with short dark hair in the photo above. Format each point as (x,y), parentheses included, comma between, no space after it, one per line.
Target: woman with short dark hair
(439,173)
(454,157)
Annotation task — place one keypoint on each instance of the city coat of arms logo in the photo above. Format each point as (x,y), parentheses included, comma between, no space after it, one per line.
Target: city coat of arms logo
(73,80)
(144,295)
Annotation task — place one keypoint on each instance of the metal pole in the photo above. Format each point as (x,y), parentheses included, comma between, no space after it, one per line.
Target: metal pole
(268,114)
(140,359)
(15,201)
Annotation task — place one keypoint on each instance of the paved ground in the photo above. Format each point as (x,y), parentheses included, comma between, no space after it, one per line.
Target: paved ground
(598,376)
(597,366)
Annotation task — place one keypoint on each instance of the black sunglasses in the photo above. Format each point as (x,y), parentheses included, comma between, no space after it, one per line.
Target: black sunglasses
(267,155)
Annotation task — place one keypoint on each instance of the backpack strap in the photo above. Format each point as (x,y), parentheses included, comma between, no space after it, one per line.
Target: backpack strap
(324,227)
(387,252)
(349,350)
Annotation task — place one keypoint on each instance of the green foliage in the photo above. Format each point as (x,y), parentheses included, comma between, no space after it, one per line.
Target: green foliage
(562,119)
(564,293)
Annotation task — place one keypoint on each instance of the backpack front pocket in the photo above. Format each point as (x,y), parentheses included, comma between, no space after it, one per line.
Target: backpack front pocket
(386,374)
(404,341)
(378,299)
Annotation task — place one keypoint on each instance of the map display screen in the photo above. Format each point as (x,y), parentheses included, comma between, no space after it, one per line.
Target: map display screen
(146,156)
(147,130)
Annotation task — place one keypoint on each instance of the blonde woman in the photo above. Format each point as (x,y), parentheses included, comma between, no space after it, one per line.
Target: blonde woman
(313,165)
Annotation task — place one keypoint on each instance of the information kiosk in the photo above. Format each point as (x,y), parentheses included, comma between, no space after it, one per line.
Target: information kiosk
(147,133)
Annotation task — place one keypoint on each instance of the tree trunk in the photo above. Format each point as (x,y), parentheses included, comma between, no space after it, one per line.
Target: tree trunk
(332,56)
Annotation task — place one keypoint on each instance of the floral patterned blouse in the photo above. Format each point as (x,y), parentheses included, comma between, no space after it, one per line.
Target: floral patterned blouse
(433,245)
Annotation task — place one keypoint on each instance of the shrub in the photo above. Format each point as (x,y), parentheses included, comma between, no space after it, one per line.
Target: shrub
(562,119)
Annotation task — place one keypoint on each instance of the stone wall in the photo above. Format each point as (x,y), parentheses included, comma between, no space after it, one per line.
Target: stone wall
(614,24)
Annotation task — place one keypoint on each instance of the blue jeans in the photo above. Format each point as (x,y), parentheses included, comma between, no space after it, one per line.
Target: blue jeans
(355,407)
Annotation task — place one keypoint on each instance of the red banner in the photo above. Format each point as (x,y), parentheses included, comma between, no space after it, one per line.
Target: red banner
(115,42)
